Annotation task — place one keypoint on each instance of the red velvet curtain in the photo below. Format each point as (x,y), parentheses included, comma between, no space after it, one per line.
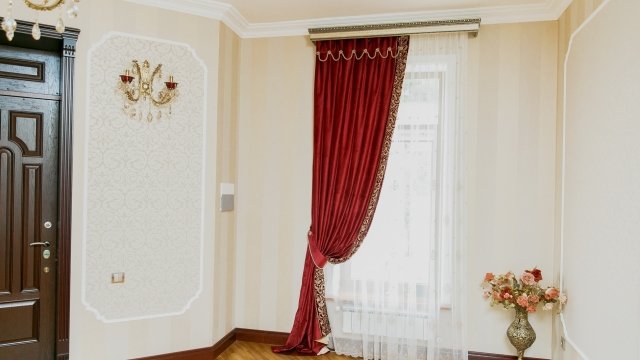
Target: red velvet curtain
(357,91)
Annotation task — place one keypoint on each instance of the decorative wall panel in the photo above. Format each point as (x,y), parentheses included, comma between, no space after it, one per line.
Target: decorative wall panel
(599,195)
(144,186)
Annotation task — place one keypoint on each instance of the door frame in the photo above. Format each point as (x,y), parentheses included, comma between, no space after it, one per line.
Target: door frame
(65,45)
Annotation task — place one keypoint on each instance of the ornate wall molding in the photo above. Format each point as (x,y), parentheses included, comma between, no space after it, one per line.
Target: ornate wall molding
(575,34)
(144,187)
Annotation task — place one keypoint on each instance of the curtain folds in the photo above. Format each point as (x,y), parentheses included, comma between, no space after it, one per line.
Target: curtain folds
(357,92)
(402,296)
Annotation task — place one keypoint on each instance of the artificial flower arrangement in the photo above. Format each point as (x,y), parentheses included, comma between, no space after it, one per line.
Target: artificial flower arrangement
(525,292)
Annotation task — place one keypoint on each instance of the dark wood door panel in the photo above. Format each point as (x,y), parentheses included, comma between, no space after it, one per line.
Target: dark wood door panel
(29,71)
(31,225)
(6,220)
(25,129)
(28,200)
(21,69)
(24,317)
(58,85)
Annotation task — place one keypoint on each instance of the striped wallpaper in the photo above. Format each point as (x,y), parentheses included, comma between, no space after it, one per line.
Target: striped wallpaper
(511,143)
(274,178)
(260,113)
(511,174)
(227,145)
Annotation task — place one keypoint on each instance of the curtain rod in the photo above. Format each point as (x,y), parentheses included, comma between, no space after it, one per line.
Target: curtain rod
(472,26)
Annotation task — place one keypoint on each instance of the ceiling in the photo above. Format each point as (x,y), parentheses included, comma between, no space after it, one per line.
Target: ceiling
(266,18)
(256,11)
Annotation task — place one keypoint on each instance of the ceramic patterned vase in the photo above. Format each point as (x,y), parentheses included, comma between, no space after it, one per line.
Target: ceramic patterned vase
(520,332)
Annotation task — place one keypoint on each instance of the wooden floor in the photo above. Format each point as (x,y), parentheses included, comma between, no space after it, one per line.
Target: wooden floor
(242,350)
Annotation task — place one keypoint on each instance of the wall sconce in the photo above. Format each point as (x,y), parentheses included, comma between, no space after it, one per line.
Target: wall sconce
(137,88)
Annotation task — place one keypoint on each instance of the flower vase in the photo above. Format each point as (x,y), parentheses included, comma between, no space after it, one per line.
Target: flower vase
(520,332)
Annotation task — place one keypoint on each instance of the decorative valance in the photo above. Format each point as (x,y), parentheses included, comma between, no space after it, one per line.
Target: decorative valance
(358,49)
(471,26)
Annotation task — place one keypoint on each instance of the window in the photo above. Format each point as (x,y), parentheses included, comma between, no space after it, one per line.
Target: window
(414,211)
(400,295)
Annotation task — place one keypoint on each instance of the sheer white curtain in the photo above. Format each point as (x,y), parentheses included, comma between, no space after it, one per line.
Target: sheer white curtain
(402,295)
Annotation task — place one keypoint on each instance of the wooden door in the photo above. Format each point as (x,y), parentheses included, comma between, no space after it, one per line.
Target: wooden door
(28,220)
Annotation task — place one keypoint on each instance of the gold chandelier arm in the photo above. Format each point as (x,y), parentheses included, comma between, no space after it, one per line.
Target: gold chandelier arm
(156,72)
(165,97)
(45,6)
(133,95)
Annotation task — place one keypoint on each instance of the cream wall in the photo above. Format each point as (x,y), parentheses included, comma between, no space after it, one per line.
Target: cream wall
(577,12)
(275,136)
(260,137)
(511,176)
(511,143)
(600,218)
(210,316)
(227,147)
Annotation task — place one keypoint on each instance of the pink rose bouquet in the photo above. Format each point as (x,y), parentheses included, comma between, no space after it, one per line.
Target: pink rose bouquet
(523,292)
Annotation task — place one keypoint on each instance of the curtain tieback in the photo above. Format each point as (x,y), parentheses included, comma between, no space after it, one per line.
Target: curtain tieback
(316,255)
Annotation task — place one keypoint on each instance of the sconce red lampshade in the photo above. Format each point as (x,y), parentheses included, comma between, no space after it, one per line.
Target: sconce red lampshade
(170,84)
(126,78)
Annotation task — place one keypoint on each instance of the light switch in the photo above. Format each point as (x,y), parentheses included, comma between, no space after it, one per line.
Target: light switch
(117,278)
(227,192)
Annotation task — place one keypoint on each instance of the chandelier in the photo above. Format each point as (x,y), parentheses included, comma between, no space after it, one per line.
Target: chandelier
(9,24)
(137,89)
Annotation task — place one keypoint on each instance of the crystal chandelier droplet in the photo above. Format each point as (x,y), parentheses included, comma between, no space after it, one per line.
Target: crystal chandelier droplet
(60,26)
(9,26)
(35,31)
(73,11)
(71,7)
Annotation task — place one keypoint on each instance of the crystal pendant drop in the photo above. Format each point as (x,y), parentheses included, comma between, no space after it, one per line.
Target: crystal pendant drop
(60,26)
(35,31)
(9,26)
(73,11)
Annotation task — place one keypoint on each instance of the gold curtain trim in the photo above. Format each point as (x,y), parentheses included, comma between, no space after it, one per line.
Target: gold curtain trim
(354,54)
(318,276)
(321,304)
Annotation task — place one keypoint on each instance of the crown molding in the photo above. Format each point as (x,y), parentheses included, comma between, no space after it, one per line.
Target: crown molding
(550,10)
(206,8)
(558,7)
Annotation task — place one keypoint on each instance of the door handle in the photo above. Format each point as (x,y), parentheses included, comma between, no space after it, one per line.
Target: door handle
(45,244)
